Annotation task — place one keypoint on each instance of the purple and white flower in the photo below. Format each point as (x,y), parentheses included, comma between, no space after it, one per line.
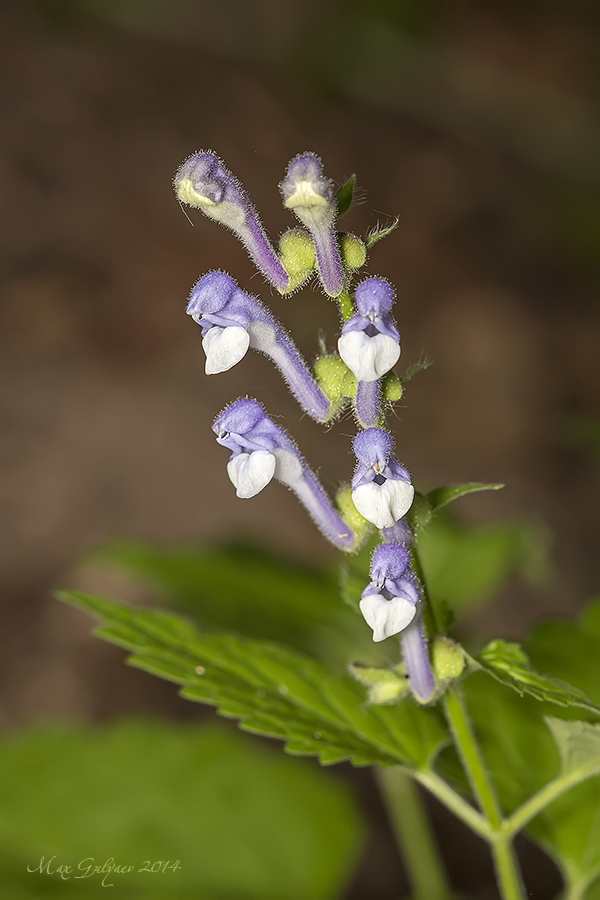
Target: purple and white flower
(232,321)
(261,451)
(309,193)
(381,487)
(370,342)
(203,181)
(389,602)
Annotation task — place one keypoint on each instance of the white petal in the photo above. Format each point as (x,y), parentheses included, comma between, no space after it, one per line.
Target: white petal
(251,472)
(368,357)
(386,617)
(393,618)
(400,496)
(224,347)
(288,469)
(383,504)
(369,607)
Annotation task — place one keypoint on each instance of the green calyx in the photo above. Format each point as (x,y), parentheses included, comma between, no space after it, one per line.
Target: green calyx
(386,686)
(391,388)
(353,250)
(334,378)
(297,254)
(448,659)
(349,513)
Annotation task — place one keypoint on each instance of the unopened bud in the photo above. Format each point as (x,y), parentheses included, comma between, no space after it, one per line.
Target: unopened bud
(391,387)
(350,514)
(330,372)
(448,658)
(354,251)
(297,253)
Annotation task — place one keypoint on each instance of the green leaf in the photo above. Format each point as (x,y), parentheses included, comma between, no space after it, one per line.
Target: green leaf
(569,829)
(450,492)
(250,591)
(468,565)
(380,233)
(578,744)
(242,820)
(523,755)
(510,665)
(344,196)
(570,649)
(272,691)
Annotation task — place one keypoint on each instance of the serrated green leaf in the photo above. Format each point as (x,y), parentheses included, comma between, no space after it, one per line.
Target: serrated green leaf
(344,196)
(509,664)
(241,819)
(450,492)
(570,649)
(242,589)
(578,744)
(380,233)
(271,690)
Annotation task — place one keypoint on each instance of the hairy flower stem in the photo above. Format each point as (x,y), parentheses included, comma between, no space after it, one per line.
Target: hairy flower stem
(505,862)
(415,839)
(430,617)
(346,304)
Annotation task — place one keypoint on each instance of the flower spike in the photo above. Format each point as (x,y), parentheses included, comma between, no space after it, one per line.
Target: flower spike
(204,182)
(308,192)
(232,321)
(381,487)
(262,451)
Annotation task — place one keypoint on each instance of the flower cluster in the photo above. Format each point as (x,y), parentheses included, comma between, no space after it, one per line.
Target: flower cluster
(358,375)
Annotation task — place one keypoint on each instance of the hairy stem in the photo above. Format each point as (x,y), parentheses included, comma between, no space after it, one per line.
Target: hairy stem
(505,861)
(470,755)
(532,807)
(454,802)
(415,840)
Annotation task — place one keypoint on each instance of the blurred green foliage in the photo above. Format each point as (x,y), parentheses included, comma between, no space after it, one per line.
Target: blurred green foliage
(466,566)
(242,820)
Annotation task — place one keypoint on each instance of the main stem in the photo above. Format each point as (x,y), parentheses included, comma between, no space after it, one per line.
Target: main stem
(415,840)
(505,862)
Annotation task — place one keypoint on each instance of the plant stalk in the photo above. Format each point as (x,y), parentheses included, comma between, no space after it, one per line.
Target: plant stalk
(414,837)
(505,861)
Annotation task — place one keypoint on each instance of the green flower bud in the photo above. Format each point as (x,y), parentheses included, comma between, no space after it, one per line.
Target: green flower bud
(386,686)
(330,372)
(349,384)
(351,515)
(448,658)
(391,387)
(297,254)
(297,251)
(354,251)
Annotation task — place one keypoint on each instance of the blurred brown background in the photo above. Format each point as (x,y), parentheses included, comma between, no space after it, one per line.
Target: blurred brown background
(477,122)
